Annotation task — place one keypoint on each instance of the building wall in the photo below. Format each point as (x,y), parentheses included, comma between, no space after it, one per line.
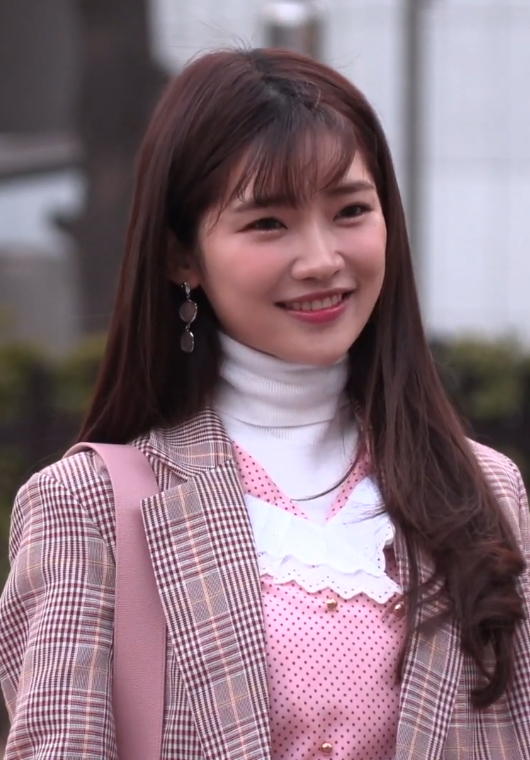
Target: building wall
(477,168)
(475,243)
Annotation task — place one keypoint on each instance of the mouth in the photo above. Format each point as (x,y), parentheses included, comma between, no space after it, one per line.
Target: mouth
(315,304)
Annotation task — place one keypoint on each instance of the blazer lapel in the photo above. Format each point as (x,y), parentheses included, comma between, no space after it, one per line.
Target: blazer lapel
(203,555)
(430,681)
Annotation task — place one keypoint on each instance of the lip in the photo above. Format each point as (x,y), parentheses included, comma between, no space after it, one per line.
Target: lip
(322,316)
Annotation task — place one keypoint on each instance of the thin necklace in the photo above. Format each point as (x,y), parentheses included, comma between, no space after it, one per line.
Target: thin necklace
(356,413)
(329,490)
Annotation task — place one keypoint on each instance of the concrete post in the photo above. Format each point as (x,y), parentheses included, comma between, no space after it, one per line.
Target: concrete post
(295,25)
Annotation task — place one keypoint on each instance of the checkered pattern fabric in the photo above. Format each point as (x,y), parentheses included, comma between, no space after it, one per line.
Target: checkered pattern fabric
(56,618)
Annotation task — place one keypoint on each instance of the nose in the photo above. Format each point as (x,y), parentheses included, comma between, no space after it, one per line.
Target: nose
(317,256)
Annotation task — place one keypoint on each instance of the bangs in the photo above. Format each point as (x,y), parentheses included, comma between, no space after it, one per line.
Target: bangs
(294,157)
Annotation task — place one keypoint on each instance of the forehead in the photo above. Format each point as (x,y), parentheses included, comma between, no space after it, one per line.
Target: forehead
(356,175)
(357,171)
(293,166)
(324,170)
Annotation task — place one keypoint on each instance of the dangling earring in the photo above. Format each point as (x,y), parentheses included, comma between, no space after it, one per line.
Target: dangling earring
(188,313)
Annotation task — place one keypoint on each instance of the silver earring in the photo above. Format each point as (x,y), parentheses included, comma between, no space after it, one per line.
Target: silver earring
(188,313)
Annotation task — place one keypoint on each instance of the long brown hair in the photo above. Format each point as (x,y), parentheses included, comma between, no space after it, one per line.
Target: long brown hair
(262,109)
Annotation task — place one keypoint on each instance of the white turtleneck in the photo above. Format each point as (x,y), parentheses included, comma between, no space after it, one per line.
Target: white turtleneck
(294,420)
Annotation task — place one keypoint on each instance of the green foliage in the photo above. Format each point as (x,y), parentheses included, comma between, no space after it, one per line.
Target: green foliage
(16,364)
(75,377)
(486,379)
(489,384)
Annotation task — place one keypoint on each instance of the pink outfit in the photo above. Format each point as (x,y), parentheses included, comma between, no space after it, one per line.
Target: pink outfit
(331,661)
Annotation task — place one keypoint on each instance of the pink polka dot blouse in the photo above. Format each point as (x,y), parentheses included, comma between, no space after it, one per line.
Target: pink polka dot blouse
(331,661)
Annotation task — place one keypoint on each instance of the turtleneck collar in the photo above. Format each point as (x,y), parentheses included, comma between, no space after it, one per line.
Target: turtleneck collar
(262,390)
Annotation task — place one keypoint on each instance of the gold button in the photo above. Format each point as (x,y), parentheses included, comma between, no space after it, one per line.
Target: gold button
(400,608)
(326,748)
(331,604)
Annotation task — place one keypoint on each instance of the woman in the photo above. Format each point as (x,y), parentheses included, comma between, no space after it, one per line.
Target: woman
(342,572)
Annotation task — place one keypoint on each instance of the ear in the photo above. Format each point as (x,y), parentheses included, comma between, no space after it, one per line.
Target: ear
(181,267)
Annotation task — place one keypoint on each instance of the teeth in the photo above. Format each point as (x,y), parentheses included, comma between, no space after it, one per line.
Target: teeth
(325,303)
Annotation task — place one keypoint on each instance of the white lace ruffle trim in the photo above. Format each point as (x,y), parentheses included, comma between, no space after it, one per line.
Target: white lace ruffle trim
(345,555)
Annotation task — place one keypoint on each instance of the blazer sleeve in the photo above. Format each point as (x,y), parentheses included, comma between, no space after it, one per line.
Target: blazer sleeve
(56,629)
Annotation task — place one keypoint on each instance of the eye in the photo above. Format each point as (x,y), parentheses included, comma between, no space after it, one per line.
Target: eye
(353,210)
(266,224)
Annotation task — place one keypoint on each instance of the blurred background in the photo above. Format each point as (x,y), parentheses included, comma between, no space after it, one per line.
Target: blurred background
(450,80)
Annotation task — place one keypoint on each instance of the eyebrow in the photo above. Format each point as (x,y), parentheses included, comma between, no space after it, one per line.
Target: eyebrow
(348,188)
(345,188)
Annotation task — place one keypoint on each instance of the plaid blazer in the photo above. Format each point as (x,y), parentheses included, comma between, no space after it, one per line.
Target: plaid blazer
(56,618)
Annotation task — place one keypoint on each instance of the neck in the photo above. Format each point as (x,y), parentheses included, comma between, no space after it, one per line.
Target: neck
(262,390)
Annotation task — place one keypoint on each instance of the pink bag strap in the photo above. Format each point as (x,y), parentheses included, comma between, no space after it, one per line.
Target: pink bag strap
(139,623)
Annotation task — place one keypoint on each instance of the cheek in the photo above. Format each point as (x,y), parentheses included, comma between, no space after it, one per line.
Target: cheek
(368,252)
(241,268)
(379,253)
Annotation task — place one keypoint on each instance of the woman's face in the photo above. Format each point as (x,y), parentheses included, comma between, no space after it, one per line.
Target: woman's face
(297,283)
